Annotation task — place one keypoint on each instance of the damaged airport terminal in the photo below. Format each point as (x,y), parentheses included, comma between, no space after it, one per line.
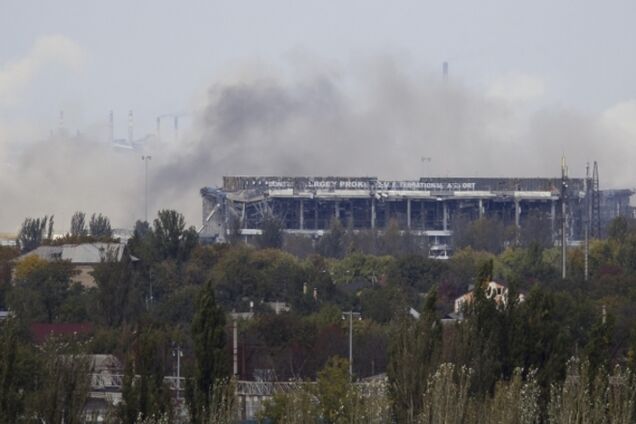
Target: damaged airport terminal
(426,207)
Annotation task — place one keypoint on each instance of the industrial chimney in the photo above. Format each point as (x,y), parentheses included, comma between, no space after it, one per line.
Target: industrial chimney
(130,127)
(111,127)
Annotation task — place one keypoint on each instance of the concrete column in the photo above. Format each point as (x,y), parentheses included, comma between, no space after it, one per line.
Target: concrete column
(553,216)
(373,212)
(315,214)
(444,216)
(481,208)
(517,212)
(422,215)
(302,214)
(408,213)
(352,214)
(337,209)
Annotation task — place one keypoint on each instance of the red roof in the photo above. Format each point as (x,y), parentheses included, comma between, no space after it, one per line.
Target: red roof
(42,331)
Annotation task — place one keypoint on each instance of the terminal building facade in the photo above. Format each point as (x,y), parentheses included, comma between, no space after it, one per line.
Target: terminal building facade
(426,207)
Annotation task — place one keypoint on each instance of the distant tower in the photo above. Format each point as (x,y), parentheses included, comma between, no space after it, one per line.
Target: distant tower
(111,127)
(587,219)
(564,197)
(445,70)
(130,127)
(61,123)
(159,128)
(596,203)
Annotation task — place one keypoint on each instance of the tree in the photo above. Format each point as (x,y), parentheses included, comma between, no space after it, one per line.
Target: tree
(487,234)
(142,243)
(416,272)
(211,362)
(413,352)
(118,296)
(536,230)
(619,228)
(7,254)
(333,243)
(100,227)
(65,385)
(381,303)
(337,396)
(42,284)
(272,236)
(145,394)
(31,233)
(78,225)
(15,373)
(49,234)
(172,239)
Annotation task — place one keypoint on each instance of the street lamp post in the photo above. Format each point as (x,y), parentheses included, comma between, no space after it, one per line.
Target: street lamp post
(178,352)
(351,314)
(146,158)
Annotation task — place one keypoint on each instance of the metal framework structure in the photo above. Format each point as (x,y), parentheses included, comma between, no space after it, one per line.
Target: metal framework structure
(424,207)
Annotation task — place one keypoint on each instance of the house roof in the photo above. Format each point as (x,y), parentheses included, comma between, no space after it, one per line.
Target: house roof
(85,253)
(42,331)
(105,363)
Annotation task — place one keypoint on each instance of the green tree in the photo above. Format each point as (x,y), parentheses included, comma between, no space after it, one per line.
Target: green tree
(489,234)
(333,243)
(7,254)
(17,371)
(337,396)
(413,354)
(78,225)
(211,362)
(100,227)
(619,228)
(598,348)
(171,237)
(65,384)
(536,230)
(42,284)
(272,236)
(145,395)
(32,233)
(119,298)
(142,243)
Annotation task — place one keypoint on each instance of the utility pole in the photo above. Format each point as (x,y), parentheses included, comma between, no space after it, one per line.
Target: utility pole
(146,158)
(178,352)
(350,315)
(235,347)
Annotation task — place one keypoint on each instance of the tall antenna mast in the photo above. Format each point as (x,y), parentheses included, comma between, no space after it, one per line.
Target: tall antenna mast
(596,203)
(587,220)
(564,192)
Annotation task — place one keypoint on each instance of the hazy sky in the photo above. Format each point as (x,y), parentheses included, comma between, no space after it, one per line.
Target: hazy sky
(155,56)
(533,72)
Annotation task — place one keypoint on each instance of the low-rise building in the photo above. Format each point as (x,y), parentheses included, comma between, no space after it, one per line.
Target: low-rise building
(83,256)
(492,290)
